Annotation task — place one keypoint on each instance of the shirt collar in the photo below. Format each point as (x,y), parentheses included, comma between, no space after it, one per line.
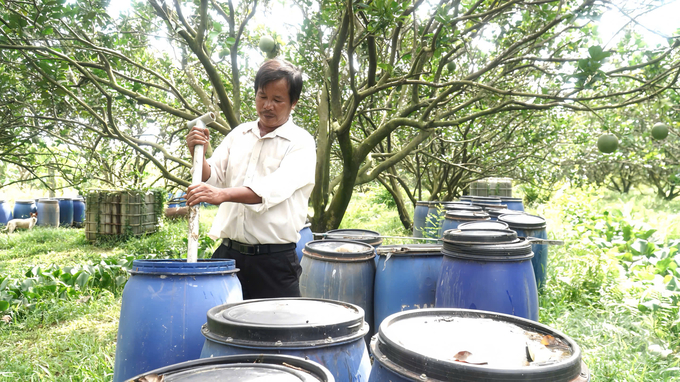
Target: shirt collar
(283,131)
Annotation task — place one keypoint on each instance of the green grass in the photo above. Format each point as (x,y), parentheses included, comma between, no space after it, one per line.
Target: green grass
(73,339)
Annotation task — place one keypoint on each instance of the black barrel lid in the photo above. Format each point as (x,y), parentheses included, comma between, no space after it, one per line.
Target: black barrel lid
(466,215)
(496,212)
(435,202)
(462,207)
(444,344)
(422,203)
(339,250)
(523,221)
(482,225)
(285,322)
(511,199)
(248,367)
(488,245)
(410,250)
(486,199)
(361,235)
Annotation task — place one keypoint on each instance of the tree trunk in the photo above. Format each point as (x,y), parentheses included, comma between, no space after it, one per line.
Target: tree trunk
(393,188)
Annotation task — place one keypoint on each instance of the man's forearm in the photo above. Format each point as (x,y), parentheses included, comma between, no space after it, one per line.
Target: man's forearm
(241,195)
(206,170)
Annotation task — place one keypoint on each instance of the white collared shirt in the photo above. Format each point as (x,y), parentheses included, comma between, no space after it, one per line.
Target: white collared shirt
(279,168)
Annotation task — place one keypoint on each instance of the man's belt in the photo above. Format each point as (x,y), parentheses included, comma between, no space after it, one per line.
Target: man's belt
(256,249)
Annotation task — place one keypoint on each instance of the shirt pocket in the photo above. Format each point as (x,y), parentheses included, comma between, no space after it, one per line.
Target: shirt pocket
(270,165)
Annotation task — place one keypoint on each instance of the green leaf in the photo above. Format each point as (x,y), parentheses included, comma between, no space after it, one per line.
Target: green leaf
(4,305)
(82,279)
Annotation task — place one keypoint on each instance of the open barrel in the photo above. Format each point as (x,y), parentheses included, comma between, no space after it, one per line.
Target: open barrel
(457,345)
(243,368)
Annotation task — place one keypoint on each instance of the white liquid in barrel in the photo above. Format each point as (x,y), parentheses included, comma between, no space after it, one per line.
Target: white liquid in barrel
(478,341)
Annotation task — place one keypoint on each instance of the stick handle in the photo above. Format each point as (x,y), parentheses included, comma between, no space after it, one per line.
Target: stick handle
(197,177)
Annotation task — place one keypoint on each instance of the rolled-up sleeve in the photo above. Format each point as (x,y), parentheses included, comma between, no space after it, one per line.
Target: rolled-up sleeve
(295,172)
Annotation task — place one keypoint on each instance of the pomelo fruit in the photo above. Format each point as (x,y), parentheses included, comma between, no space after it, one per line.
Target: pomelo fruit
(451,66)
(660,131)
(272,54)
(267,44)
(607,143)
(225,52)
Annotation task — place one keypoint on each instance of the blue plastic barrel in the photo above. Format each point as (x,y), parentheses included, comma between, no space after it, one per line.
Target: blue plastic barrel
(78,212)
(341,270)
(65,212)
(419,216)
(515,204)
(328,332)
(242,368)
(305,237)
(532,226)
(455,217)
(406,278)
(165,302)
(23,209)
(48,213)
(471,345)
(5,212)
(488,270)
(494,213)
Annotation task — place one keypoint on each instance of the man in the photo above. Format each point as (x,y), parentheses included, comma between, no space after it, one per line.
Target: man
(261,175)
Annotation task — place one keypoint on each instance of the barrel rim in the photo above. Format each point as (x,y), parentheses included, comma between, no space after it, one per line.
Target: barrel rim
(479,197)
(486,206)
(321,372)
(523,225)
(369,239)
(468,225)
(511,199)
(328,255)
(24,201)
(356,328)
(465,214)
(435,369)
(422,203)
(482,247)
(410,250)
(180,267)
(462,207)
(48,201)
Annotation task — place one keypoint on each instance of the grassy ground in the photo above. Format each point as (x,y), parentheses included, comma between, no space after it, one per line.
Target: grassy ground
(619,310)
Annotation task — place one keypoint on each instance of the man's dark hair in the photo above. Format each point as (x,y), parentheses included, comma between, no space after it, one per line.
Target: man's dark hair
(274,70)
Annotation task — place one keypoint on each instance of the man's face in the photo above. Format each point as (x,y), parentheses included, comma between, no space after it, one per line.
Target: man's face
(273,104)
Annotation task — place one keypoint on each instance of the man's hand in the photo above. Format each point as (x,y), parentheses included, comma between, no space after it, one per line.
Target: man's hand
(205,193)
(197,136)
